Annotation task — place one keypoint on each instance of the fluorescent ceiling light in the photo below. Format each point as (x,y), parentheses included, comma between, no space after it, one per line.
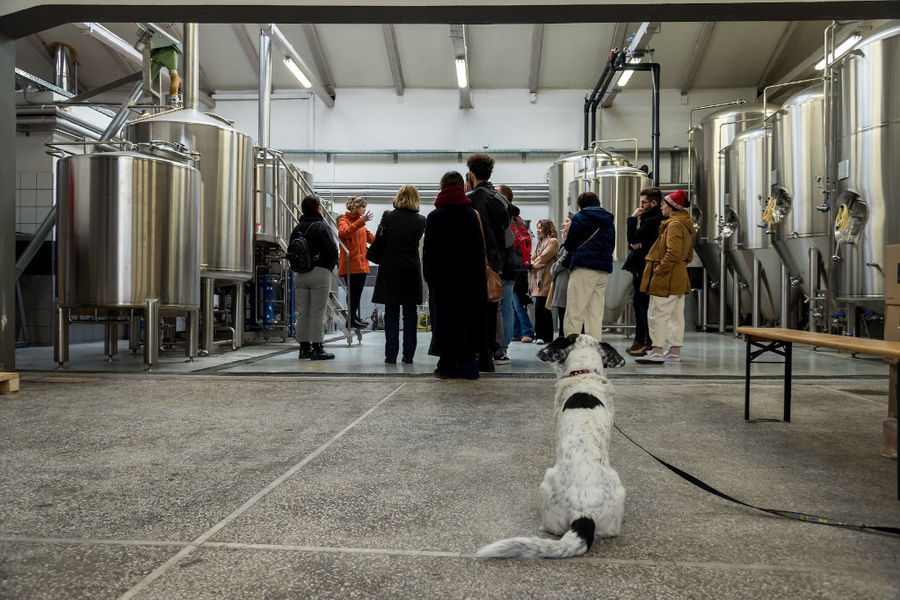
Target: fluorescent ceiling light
(626,75)
(107,37)
(462,76)
(841,50)
(296,72)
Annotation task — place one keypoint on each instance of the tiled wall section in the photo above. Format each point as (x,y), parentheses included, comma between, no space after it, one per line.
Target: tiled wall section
(40,307)
(34,197)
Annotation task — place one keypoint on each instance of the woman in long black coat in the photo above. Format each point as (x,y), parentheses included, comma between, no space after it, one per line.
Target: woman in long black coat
(453,263)
(399,280)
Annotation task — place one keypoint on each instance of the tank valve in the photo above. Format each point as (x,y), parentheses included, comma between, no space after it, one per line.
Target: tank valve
(836,258)
(795,281)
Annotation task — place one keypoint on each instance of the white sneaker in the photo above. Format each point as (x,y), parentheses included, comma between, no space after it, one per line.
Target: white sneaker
(651,358)
(670,357)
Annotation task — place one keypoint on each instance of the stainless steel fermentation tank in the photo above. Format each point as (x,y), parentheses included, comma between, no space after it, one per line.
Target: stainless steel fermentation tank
(707,141)
(226,210)
(226,163)
(745,236)
(127,228)
(562,176)
(278,190)
(618,185)
(868,153)
(800,220)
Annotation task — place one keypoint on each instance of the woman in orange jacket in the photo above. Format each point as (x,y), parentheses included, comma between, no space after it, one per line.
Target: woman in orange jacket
(354,235)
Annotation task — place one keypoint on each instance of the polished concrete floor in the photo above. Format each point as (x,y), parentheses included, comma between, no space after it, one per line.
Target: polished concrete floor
(251,474)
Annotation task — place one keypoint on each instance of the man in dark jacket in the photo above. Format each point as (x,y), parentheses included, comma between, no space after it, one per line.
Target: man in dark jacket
(494,220)
(643,229)
(590,243)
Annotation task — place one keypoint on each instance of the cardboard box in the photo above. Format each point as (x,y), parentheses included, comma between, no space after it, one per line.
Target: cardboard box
(892,274)
(892,323)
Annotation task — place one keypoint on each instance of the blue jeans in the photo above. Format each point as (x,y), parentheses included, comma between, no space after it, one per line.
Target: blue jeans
(392,330)
(507,311)
(525,328)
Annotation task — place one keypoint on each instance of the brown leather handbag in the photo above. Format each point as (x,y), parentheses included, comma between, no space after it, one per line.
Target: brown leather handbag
(494,285)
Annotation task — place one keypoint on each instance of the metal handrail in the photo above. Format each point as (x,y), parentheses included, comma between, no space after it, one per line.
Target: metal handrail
(596,143)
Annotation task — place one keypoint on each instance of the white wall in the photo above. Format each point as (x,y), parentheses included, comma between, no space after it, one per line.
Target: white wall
(376,119)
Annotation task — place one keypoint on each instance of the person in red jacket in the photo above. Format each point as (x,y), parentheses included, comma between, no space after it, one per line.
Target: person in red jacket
(354,235)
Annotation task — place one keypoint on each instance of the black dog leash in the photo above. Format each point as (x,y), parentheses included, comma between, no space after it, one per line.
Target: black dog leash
(787,514)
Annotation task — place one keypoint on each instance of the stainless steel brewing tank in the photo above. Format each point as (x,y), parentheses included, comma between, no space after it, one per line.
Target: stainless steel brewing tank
(226,167)
(746,238)
(127,226)
(619,189)
(563,174)
(271,222)
(708,139)
(869,155)
(797,168)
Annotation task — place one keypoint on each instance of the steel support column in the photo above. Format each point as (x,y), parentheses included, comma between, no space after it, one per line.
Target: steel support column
(7,207)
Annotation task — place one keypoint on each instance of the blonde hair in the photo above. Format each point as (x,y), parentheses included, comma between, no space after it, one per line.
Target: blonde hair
(354,202)
(407,197)
(548,228)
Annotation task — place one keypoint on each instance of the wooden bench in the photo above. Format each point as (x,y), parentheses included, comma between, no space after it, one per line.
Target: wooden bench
(9,382)
(781,341)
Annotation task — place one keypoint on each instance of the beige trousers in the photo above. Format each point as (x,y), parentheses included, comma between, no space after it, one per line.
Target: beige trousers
(666,320)
(586,299)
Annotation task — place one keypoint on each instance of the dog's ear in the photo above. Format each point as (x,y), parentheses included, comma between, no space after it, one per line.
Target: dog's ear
(611,358)
(558,349)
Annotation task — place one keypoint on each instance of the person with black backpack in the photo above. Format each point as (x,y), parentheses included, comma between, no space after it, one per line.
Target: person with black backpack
(313,255)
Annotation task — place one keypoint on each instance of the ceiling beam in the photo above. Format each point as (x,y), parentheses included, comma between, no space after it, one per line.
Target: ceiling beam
(783,41)
(390,44)
(697,56)
(319,58)
(458,35)
(537,49)
(247,45)
(638,44)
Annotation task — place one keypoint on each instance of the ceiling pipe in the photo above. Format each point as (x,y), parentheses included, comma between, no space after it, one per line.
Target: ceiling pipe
(265,88)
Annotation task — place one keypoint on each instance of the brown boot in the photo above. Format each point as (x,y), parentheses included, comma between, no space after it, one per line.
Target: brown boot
(636,349)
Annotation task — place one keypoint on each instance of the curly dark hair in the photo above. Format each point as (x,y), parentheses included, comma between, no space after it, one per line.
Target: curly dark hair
(481,165)
(653,194)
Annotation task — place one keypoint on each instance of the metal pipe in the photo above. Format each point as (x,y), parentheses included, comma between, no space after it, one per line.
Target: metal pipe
(110,340)
(192,334)
(654,75)
(785,296)
(118,121)
(704,301)
(207,317)
(736,305)
(830,164)
(588,102)
(151,332)
(191,81)
(813,287)
(598,143)
(265,87)
(65,70)
(756,293)
(61,339)
(238,301)
(723,277)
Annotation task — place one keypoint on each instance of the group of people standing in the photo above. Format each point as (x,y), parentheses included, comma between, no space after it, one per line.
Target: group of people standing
(477,278)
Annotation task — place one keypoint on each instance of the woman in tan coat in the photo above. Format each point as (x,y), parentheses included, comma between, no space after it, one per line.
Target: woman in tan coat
(539,279)
(666,280)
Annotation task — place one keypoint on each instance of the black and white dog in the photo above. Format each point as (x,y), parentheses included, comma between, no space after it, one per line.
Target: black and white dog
(581,495)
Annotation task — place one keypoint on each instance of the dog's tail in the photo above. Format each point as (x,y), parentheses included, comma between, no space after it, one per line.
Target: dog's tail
(575,542)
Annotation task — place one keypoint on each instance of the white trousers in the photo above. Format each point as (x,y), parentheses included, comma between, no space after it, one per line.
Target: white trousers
(666,320)
(586,299)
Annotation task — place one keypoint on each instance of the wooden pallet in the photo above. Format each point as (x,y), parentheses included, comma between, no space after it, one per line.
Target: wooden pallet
(9,382)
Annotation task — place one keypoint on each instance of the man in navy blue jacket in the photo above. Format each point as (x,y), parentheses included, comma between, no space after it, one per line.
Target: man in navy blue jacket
(591,239)
(641,235)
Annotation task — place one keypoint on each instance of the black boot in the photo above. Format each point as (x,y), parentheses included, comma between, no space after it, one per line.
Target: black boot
(318,352)
(305,350)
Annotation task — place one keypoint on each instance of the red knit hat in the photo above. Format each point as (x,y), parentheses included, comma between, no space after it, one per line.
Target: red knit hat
(677,200)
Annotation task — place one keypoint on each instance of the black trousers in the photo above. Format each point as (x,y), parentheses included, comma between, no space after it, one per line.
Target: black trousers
(357,283)
(561,315)
(543,320)
(392,330)
(490,338)
(641,303)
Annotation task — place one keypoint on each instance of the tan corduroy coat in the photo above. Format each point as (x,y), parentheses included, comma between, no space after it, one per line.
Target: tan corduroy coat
(665,270)
(542,259)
